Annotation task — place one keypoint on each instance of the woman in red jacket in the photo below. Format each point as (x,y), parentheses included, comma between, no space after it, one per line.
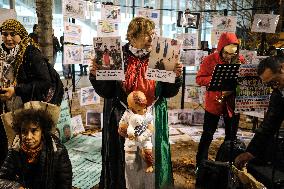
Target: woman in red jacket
(227,53)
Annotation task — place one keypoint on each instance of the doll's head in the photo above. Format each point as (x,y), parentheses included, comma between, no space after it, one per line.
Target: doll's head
(137,102)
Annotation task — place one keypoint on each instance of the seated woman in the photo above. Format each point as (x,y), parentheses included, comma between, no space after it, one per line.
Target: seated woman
(37,159)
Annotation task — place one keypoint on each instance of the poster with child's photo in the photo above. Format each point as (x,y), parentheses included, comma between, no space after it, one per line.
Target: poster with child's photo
(94,120)
(108,54)
(64,122)
(89,96)
(163,57)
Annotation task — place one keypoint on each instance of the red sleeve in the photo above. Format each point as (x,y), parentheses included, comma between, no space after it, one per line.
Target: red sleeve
(204,74)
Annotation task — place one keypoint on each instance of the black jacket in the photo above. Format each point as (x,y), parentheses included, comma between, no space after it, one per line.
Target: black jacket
(33,78)
(264,136)
(45,174)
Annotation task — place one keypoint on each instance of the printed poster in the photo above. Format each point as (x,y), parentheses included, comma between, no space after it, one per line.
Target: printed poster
(89,96)
(222,24)
(89,54)
(163,57)
(154,15)
(111,13)
(72,33)
(248,55)
(225,23)
(94,119)
(108,53)
(73,54)
(77,124)
(180,116)
(107,28)
(190,41)
(257,59)
(85,156)
(64,122)
(252,94)
(264,23)
(188,57)
(199,56)
(73,9)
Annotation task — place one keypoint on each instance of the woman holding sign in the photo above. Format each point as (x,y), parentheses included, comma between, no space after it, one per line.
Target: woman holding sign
(115,174)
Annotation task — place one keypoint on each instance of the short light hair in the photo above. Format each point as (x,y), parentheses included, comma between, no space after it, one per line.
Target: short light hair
(138,26)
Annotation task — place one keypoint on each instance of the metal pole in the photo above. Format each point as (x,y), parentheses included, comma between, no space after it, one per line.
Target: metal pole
(73,68)
(12,4)
(133,8)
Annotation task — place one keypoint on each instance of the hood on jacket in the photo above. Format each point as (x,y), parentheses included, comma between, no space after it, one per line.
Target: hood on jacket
(225,39)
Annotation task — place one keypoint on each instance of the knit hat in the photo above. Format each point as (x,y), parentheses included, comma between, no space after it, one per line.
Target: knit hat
(232,48)
(16,26)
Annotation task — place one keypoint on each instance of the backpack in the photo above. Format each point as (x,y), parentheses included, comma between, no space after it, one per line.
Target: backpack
(56,92)
(57,85)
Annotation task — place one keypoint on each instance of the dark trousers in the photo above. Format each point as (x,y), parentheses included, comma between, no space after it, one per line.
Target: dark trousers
(3,143)
(209,128)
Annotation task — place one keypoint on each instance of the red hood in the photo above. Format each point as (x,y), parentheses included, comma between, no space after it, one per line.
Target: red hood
(226,39)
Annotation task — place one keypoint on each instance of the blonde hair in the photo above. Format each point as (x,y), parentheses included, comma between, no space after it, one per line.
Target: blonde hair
(138,26)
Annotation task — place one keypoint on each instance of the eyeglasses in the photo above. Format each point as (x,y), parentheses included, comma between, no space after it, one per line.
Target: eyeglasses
(12,34)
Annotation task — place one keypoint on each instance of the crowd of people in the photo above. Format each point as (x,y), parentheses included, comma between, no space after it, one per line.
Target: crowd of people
(38,159)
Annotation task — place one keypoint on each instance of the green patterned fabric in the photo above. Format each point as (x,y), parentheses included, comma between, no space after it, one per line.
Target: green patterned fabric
(163,164)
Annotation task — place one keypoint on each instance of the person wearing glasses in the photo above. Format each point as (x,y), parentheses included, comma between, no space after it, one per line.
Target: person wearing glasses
(24,72)
(37,160)
(262,146)
(218,103)
(115,173)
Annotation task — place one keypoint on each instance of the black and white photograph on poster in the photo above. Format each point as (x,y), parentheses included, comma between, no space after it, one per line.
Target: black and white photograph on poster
(73,9)
(107,28)
(163,57)
(154,15)
(225,23)
(89,54)
(264,23)
(188,57)
(94,120)
(73,54)
(180,116)
(198,117)
(188,20)
(72,33)
(190,41)
(108,53)
(191,94)
(110,13)
(89,96)
(248,55)
(77,124)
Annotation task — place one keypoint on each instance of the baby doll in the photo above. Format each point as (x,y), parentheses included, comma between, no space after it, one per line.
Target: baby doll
(139,129)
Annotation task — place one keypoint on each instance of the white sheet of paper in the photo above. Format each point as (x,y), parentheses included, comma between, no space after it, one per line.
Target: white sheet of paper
(111,13)
(264,23)
(89,96)
(77,124)
(73,54)
(74,9)
(72,33)
(108,52)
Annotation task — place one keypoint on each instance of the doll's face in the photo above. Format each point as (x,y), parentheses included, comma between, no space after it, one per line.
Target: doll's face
(141,110)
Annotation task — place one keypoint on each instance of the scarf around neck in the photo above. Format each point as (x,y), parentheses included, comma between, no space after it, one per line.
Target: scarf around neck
(140,53)
(32,154)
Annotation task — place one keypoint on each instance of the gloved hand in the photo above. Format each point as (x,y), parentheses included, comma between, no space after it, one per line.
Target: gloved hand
(242,159)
